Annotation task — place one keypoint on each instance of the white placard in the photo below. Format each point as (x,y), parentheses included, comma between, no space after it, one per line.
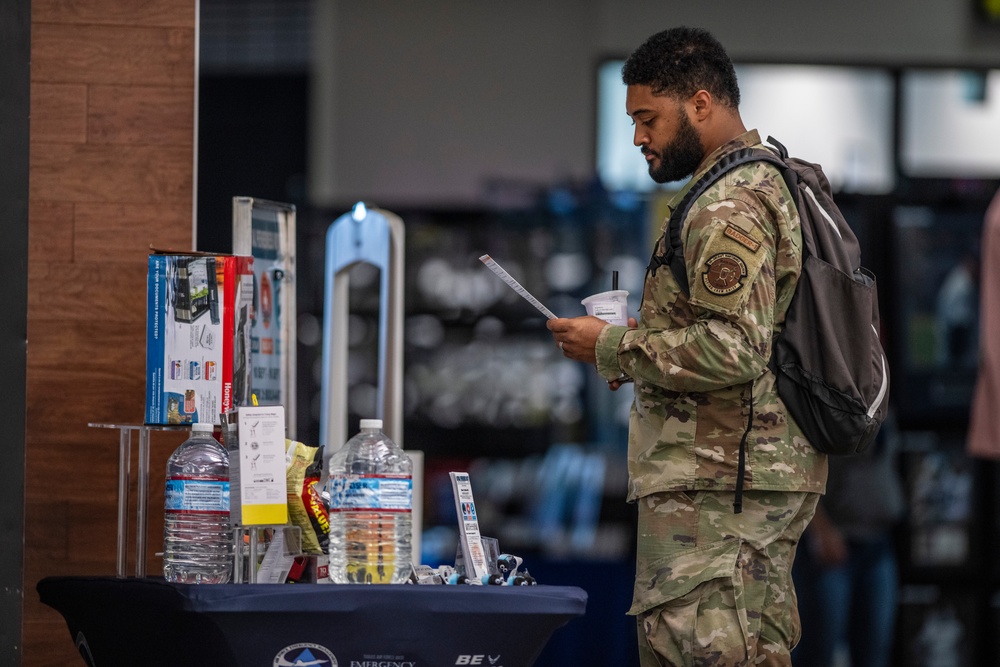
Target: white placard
(468,524)
(263,489)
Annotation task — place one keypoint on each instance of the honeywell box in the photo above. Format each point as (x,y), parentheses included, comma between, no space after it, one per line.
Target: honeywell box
(198,314)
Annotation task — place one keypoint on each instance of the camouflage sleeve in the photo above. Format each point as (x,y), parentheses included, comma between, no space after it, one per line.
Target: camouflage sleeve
(729,251)
(607,351)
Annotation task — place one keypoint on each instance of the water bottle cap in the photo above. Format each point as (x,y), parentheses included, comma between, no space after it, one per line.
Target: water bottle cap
(371,423)
(202,427)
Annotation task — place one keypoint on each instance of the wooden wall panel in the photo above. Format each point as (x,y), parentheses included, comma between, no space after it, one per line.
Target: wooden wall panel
(85,293)
(50,231)
(83,391)
(161,13)
(123,114)
(59,113)
(111,173)
(100,54)
(64,406)
(130,229)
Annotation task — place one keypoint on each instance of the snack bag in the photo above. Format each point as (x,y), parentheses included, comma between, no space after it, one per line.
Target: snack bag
(305,507)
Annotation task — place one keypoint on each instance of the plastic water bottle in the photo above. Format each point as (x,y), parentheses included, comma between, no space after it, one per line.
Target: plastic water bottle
(198,539)
(371,501)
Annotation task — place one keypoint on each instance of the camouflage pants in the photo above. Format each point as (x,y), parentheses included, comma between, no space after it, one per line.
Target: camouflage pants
(714,588)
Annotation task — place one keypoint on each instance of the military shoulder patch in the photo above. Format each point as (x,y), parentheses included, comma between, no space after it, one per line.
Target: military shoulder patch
(724,273)
(743,239)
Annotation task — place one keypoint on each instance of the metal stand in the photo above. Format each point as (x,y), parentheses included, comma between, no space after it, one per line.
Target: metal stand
(248,542)
(374,236)
(142,491)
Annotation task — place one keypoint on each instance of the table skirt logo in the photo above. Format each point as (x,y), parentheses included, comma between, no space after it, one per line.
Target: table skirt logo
(492,660)
(305,655)
(84,648)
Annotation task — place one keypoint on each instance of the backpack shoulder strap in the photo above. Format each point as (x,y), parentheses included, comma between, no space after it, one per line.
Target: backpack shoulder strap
(673,246)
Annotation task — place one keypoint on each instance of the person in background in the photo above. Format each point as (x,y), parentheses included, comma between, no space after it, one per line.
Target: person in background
(957,311)
(984,427)
(845,573)
(713,586)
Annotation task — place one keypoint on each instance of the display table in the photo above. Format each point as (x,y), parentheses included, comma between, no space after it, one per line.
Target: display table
(150,622)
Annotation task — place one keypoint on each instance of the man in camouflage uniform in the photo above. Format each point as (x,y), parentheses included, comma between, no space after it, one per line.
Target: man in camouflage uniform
(713,587)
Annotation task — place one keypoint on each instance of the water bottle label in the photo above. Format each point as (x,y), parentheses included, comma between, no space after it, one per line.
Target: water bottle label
(386,494)
(197,495)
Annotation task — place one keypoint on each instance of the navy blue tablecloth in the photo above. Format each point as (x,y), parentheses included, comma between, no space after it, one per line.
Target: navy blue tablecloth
(150,622)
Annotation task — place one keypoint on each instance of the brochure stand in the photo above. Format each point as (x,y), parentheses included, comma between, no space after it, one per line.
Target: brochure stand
(142,491)
(265,230)
(374,236)
(264,554)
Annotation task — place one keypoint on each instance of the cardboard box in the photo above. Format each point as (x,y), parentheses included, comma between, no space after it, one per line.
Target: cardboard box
(198,313)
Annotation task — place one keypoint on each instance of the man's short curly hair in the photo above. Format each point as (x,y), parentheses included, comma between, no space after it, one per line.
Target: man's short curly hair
(681,61)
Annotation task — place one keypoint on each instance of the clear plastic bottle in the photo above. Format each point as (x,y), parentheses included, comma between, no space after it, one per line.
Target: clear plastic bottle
(197,537)
(371,501)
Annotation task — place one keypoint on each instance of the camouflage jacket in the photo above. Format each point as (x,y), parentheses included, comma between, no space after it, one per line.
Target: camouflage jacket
(698,362)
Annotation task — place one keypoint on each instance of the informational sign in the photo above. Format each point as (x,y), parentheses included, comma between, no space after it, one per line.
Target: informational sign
(266,230)
(258,470)
(470,540)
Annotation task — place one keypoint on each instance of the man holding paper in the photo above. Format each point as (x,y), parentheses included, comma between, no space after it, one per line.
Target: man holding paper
(714,548)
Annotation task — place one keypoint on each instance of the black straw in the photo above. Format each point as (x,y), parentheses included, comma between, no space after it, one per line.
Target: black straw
(614,280)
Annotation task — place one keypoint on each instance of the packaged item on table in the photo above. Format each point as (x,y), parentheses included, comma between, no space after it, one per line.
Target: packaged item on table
(305,507)
(198,543)
(371,502)
(198,311)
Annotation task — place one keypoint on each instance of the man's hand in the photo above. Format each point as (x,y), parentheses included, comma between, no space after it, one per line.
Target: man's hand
(577,336)
(828,545)
(615,385)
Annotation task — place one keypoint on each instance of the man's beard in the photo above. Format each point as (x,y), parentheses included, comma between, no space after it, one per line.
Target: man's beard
(681,157)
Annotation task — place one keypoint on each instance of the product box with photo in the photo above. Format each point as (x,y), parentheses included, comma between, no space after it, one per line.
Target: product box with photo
(198,315)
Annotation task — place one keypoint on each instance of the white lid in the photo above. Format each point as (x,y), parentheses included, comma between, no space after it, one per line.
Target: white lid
(202,427)
(616,295)
(371,423)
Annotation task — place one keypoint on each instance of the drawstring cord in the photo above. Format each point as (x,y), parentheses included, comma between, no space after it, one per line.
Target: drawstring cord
(742,469)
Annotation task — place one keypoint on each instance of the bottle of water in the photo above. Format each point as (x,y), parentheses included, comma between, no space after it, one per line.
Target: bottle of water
(198,539)
(371,500)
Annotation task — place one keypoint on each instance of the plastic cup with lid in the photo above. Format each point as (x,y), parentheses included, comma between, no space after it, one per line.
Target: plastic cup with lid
(611,306)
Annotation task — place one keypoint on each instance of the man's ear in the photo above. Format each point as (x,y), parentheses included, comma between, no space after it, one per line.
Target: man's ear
(701,105)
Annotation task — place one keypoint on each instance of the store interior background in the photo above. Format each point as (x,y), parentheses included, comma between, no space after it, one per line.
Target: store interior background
(478,125)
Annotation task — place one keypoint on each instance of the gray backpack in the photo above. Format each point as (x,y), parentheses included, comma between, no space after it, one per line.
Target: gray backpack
(830,368)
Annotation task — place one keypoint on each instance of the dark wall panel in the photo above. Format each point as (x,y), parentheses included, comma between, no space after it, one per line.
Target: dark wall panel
(15,51)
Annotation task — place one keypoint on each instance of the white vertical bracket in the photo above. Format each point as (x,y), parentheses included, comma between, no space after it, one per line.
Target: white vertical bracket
(376,237)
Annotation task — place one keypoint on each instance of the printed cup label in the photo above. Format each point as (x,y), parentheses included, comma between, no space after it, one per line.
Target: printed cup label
(609,312)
